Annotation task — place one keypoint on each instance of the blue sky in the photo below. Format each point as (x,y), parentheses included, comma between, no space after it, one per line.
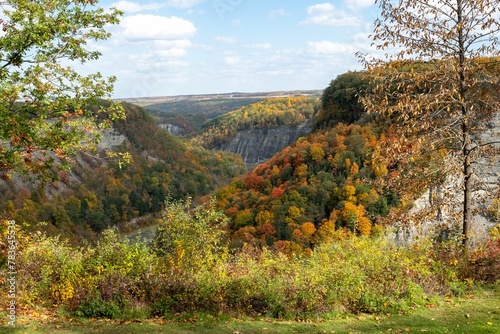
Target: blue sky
(180,47)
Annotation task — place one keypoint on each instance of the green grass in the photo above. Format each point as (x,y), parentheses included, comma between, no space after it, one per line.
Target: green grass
(479,313)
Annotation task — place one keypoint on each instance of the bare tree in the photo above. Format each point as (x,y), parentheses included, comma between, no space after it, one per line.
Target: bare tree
(439,79)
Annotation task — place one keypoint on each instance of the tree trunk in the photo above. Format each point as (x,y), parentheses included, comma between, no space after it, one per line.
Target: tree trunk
(467,189)
(466,140)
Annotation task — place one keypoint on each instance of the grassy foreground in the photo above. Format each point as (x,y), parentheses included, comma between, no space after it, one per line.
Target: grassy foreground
(478,313)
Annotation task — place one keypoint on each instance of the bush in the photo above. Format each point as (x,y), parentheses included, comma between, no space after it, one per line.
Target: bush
(484,263)
(92,281)
(48,269)
(96,307)
(192,253)
(192,270)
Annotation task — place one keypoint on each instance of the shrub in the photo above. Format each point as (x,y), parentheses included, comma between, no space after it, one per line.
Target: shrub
(48,269)
(96,307)
(191,270)
(192,251)
(484,262)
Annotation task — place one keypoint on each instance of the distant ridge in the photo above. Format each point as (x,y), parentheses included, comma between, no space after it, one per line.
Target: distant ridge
(145,101)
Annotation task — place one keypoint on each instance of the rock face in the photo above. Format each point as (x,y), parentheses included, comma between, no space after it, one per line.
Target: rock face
(173,129)
(257,145)
(445,222)
(111,138)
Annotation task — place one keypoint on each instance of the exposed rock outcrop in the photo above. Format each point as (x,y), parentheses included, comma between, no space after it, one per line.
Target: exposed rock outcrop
(111,138)
(173,129)
(447,217)
(258,145)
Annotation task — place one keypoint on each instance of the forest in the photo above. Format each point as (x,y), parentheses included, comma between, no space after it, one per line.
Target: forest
(302,234)
(103,191)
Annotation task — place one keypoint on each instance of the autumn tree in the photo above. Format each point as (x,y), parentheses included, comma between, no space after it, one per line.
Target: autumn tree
(47,109)
(190,239)
(439,80)
(340,100)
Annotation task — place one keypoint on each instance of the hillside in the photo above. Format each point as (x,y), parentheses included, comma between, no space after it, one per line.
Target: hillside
(280,241)
(340,177)
(258,131)
(323,182)
(102,191)
(374,203)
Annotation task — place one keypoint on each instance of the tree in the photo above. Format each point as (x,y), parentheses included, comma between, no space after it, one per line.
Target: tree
(340,100)
(436,81)
(47,109)
(190,239)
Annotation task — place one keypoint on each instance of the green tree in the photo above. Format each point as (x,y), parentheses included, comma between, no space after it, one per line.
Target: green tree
(436,82)
(47,109)
(190,239)
(340,100)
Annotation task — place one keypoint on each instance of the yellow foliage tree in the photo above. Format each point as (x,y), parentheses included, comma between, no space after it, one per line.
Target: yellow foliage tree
(364,226)
(349,193)
(294,212)
(317,153)
(354,217)
(325,232)
(301,170)
(264,217)
(354,169)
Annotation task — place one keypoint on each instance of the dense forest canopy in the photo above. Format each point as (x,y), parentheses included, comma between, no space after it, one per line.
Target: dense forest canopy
(302,236)
(340,100)
(326,181)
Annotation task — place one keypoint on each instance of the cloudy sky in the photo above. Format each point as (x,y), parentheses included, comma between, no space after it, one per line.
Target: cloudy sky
(179,47)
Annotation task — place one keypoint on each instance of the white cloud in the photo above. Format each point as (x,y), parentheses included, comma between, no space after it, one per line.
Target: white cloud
(326,14)
(184,3)
(171,53)
(358,4)
(232,60)
(179,43)
(131,7)
(152,27)
(171,49)
(261,46)
(330,48)
(277,12)
(225,39)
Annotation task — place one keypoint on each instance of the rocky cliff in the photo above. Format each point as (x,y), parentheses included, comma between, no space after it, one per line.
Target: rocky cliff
(173,129)
(257,145)
(447,217)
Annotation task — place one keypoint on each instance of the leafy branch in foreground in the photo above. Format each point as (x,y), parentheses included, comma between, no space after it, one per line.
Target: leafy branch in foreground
(47,109)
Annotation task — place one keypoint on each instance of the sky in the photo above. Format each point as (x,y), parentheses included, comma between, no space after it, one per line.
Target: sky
(183,47)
